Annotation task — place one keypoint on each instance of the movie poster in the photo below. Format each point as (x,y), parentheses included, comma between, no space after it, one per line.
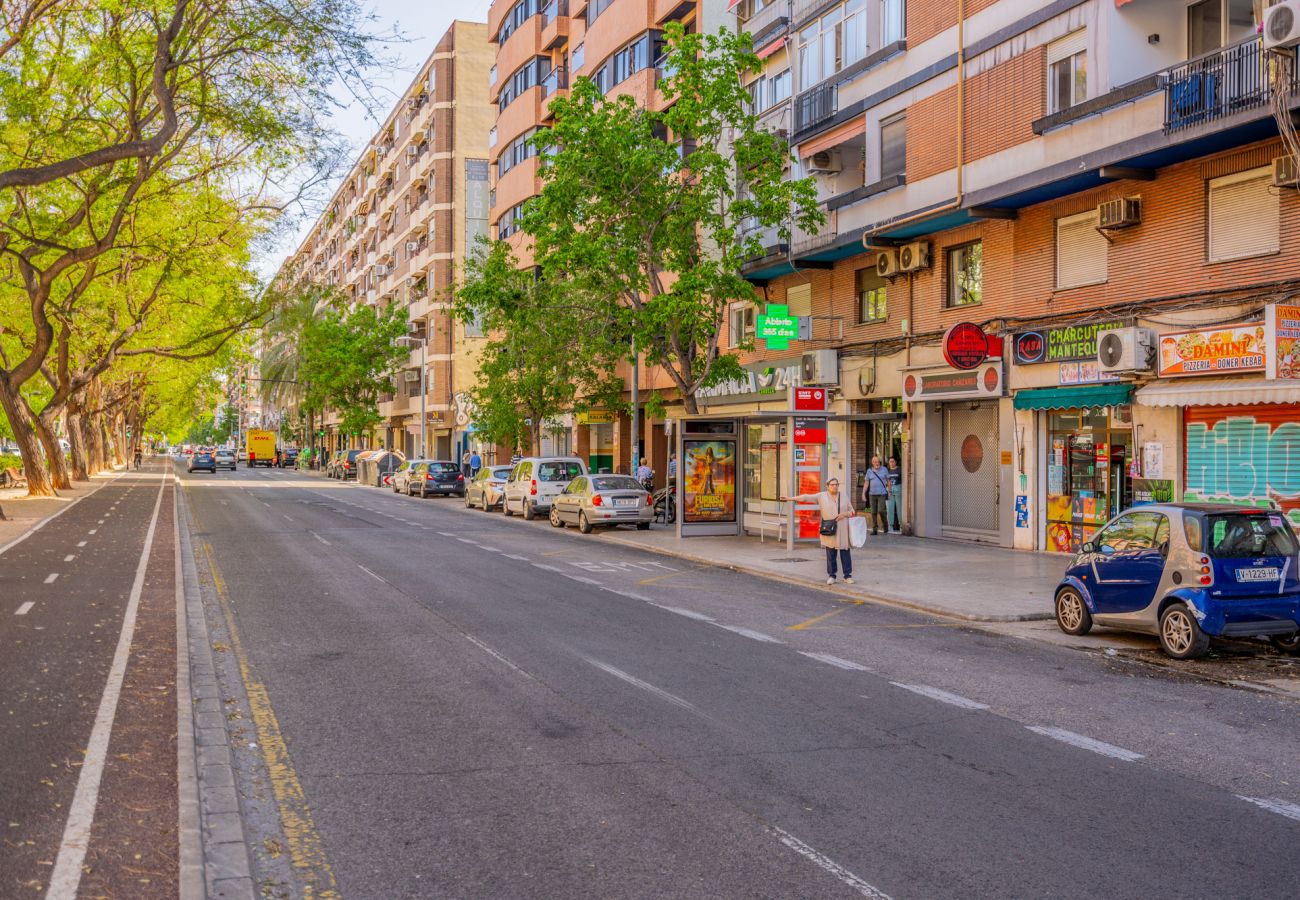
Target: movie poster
(710,481)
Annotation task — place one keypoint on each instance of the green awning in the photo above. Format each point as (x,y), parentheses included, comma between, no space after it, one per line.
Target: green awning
(1071,397)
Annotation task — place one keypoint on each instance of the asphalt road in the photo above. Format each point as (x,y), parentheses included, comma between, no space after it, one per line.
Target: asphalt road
(472,706)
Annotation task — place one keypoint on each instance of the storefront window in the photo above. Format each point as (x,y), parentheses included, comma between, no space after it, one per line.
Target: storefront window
(763,457)
(1089,456)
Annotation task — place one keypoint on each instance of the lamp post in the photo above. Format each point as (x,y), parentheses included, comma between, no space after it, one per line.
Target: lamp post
(410,341)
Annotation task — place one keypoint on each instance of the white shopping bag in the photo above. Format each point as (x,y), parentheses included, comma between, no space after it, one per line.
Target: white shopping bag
(857,532)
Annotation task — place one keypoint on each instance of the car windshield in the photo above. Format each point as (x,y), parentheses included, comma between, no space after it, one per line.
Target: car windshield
(1238,536)
(443,468)
(501,472)
(558,471)
(616,483)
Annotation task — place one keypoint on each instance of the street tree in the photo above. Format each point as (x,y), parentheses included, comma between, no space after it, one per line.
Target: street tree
(656,212)
(550,350)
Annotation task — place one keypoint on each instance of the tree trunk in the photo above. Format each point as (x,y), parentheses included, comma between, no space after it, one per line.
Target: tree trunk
(95,439)
(77,439)
(39,483)
(58,463)
(692,407)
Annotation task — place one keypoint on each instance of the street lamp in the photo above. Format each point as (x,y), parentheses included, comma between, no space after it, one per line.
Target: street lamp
(411,340)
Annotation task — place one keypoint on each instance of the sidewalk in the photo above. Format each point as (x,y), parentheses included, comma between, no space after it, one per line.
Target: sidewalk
(973,582)
(23,512)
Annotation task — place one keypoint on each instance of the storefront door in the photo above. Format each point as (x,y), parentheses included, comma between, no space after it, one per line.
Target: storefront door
(1089,456)
(970,470)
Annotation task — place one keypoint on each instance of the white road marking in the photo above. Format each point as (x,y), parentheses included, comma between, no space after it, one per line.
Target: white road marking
(290,518)
(70,557)
(515,556)
(942,696)
(582,580)
(643,685)
(370,573)
(321,539)
(92,531)
(1281,807)
(688,613)
(835,661)
(51,578)
(825,862)
(751,634)
(446,534)
(1085,743)
(25,608)
(547,568)
(100,522)
(497,656)
(81,543)
(484,546)
(81,814)
(467,541)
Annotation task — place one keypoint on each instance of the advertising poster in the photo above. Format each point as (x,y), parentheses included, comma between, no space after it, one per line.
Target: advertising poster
(1283,324)
(1152,490)
(710,481)
(1213,351)
(808,515)
(1022,511)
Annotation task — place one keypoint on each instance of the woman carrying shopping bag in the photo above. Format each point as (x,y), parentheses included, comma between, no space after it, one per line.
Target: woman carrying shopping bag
(835,510)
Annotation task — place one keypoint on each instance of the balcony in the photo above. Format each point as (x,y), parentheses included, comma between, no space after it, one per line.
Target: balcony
(672,10)
(802,242)
(557,80)
(555,24)
(1229,81)
(811,108)
(771,20)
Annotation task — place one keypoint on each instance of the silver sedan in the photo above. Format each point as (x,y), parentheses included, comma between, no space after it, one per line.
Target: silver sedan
(487,488)
(599,501)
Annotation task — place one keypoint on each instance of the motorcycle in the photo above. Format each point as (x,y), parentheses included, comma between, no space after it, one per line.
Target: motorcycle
(665,504)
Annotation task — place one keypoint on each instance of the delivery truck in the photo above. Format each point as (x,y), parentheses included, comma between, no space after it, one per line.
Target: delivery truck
(261,447)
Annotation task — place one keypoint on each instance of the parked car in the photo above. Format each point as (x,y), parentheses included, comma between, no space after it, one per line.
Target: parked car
(536,481)
(1187,572)
(437,476)
(487,488)
(203,459)
(399,481)
(600,501)
(345,466)
(288,457)
(224,459)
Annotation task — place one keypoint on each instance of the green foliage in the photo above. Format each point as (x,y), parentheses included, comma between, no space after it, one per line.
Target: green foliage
(348,358)
(552,349)
(651,215)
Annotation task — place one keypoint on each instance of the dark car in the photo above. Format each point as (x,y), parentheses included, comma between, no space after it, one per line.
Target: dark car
(345,466)
(436,477)
(203,459)
(288,457)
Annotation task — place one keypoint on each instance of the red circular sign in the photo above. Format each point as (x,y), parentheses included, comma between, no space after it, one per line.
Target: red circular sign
(909,386)
(965,346)
(991,380)
(972,454)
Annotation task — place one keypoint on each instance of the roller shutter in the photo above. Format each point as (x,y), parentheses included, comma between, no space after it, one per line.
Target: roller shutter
(1243,454)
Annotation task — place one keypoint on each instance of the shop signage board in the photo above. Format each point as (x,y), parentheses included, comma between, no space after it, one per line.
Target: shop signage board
(1282,327)
(775,327)
(946,384)
(809,431)
(766,383)
(1087,371)
(1226,350)
(1070,343)
(810,399)
(967,347)
(596,417)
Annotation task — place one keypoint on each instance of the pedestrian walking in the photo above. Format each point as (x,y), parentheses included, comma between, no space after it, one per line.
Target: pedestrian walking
(875,491)
(894,505)
(464,464)
(835,509)
(138,457)
(475,463)
(646,476)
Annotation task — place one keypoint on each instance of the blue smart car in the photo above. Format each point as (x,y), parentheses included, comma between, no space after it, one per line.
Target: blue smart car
(1187,572)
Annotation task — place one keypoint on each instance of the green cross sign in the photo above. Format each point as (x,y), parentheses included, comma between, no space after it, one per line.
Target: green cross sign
(776,327)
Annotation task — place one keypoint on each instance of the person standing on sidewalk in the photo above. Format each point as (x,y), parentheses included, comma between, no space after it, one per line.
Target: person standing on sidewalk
(835,509)
(475,463)
(894,505)
(464,465)
(875,491)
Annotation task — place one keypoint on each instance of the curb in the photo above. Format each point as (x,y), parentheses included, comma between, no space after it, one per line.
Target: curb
(192,885)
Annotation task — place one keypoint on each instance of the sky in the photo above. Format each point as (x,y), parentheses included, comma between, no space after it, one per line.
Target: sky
(419,23)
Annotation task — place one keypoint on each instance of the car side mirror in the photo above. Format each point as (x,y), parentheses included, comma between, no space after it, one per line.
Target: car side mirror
(1089,547)
(1107,549)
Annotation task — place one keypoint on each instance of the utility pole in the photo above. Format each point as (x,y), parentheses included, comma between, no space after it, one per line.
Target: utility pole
(636,408)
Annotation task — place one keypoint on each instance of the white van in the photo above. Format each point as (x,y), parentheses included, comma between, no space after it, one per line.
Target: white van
(536,481)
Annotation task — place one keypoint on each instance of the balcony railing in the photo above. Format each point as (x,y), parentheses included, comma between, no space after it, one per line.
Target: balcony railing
(664,69)
(802,241)
(1233,80)
(815,106)
(554,10)
(557,80)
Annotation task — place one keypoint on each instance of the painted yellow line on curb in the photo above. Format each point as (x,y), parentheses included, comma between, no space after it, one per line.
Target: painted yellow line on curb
(824,616)
(306,850)
(652,579)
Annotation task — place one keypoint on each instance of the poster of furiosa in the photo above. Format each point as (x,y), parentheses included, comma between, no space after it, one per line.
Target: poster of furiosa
(710,481)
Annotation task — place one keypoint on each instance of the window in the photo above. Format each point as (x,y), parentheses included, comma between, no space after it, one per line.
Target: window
(871,296)
(893,21)
(1244,216)
(578,57)
(517,151)
(1067,72)
(778,87)
(520,13)
(1212,24)
(595,8)
(798,299)
(836,40)
(528,75)
(893,145)
(638,55)
(1136,531)
(965,274)
(742,325)
(1081,251)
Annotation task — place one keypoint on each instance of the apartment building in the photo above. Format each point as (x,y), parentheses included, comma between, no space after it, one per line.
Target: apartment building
(1006,183)
(397,231)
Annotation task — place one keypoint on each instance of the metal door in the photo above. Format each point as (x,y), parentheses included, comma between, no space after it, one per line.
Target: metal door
(970,470)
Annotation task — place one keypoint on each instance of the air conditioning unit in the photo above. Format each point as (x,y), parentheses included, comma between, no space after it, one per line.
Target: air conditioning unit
(1282,25)
(914,256)
(1126,350)
(887,263)
(1286,173)
(410,376)
(1122,213)
(382,270)
(827,162)
(412,246)
(412,103)
(821,367)
(412,152)
(414,328)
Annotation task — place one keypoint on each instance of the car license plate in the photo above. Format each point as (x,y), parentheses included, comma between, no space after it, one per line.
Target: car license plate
(624,502)
(1258,573)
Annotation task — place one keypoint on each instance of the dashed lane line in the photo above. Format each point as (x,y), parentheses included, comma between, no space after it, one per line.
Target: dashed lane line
(642,684)
(321,539)
(824,862)
(370,573)
(92,531)
(25,608)
(495,655)
(836,661)
(544,567)
(70,557)
(942,696)
(1281,807)
(51,578)
(750,633)
(1085,743)
(676,610)
(81,543)
(515,556)
(578,578)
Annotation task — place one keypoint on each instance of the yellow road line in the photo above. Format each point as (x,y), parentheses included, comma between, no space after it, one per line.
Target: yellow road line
(306,850)
(652,579)
(824,616)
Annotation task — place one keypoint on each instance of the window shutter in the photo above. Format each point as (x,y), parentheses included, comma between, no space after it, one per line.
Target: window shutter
(1067,46)
(893,146)
(1081,256)
(798,298)
(1244,216)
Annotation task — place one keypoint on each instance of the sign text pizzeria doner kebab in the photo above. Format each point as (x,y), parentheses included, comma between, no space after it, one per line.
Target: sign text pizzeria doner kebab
(1213,351)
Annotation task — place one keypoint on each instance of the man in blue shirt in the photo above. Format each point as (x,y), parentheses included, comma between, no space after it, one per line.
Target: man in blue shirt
(475,463)
(875,491)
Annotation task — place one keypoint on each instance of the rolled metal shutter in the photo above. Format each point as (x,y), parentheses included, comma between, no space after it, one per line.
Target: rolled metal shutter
(970,470)
(1243,454)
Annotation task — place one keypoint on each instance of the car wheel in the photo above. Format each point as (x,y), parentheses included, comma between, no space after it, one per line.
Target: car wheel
(410,489)
(555,518)
(468,505)
(529,512)
(642,526)
(505,507)
(1180,634)
(1072,614)
(583,525)
(1287,644)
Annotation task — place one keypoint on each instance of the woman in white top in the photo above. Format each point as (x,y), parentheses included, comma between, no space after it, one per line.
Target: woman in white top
(835,506)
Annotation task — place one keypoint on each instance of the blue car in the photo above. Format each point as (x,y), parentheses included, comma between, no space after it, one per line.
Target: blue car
(1187,572)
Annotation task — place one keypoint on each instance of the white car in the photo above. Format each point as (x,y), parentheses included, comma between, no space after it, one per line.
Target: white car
(538,480)
(225,458)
